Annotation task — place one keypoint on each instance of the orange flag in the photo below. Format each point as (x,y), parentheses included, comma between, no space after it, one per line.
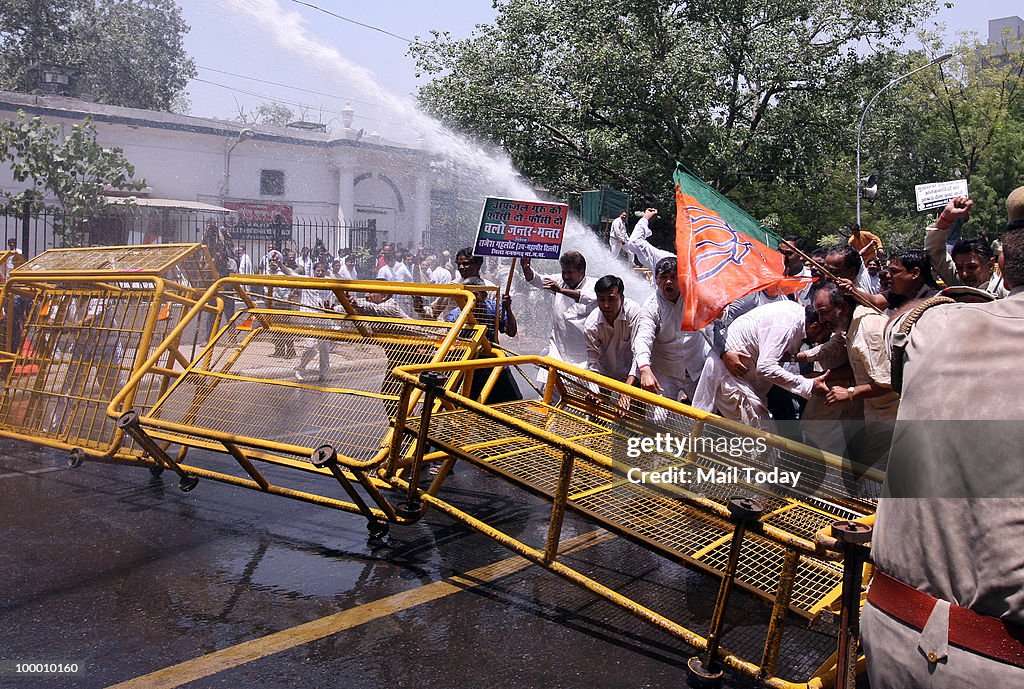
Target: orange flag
(718,265)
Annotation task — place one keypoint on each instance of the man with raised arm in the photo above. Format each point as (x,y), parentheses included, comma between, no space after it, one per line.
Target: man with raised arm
(971,262)
(574,299)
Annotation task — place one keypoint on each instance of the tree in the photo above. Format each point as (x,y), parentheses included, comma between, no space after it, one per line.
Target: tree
(981,101)
(963,121)
(131,50)
(75,170)
(270,112)
(760,99)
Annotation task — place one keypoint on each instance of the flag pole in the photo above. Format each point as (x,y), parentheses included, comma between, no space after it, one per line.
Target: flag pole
(511,274)
(832,276)
(508,286)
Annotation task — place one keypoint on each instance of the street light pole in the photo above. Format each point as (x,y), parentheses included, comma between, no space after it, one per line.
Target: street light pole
(243,135)
(860,128)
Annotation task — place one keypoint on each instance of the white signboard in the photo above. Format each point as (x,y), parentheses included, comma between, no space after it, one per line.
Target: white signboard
(939,194)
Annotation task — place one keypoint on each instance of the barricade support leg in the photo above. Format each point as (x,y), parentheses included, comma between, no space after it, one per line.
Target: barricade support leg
(129,423)
(853,537)
(706,671)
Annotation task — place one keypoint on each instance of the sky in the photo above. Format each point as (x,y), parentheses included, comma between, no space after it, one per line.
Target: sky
(290,43)
(226,38)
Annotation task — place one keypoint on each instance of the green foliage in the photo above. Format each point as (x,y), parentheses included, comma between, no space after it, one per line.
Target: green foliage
(760,99)
(131,50)
(266,113)
(366,260)
(962,121)
(75,170)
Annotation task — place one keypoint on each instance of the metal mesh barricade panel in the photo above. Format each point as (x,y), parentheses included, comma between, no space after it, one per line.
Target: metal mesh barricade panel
(762,562)
(659,518)
(186,264)
(667,477)
(650,511)
(302,380)
(79,324)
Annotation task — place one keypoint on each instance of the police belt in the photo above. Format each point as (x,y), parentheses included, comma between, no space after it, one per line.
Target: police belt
(980,634)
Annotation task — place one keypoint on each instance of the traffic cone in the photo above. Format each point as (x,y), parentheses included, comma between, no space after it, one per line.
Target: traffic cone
(165,312)
(246,324)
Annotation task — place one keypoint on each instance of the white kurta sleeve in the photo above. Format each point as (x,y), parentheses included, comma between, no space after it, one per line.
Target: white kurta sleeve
(646,330)
(774,344)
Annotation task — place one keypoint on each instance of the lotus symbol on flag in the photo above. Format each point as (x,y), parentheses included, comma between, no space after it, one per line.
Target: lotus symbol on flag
(719,264)
(734,250)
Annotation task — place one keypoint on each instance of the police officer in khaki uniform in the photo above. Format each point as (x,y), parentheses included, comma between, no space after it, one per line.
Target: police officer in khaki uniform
(946,606)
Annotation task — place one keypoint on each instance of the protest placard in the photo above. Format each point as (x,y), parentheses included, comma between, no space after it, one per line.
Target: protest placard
(939,194)
(521,229)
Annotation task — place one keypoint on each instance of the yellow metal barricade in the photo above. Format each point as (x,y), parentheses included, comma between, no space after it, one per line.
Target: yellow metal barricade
(718,502)
(9,260)
(355,382)
(486,308)
(300,378)
(78,322)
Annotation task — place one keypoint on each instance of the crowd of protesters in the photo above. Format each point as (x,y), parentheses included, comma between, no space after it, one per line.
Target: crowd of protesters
(813,365)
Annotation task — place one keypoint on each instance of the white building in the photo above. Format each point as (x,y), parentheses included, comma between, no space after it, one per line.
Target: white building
(1009,29)
(258,168)
(1005,38)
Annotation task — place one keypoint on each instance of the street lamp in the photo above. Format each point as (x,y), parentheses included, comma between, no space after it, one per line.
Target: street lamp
(860,128)
(243,135)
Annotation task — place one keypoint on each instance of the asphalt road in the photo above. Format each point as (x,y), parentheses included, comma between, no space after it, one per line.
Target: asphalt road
(142,585)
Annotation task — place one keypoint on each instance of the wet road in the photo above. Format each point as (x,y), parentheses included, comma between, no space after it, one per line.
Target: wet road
(144,585)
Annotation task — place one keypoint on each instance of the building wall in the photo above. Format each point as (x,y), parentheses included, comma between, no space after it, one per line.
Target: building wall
(184,158)
(996,27)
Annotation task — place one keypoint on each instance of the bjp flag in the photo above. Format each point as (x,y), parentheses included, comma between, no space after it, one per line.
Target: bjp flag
(718,264)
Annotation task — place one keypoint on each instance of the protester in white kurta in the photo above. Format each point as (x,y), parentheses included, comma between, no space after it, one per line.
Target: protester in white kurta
(618,236)
(315,300)
(468,267)
(843,261)
(349,270)
(769,335)
(435,274)
(610,339)
(244,262)
(574,300)
(669,360)
(402,271)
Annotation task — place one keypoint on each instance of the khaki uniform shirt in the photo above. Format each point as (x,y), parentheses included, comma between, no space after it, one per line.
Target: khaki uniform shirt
(959,435)
(869,359)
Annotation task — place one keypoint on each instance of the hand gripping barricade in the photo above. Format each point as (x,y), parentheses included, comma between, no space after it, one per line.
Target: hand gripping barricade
(798,548)
(78,323)
(301,378)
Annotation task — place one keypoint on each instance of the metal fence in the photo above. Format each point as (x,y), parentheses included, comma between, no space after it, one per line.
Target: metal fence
(34,233)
